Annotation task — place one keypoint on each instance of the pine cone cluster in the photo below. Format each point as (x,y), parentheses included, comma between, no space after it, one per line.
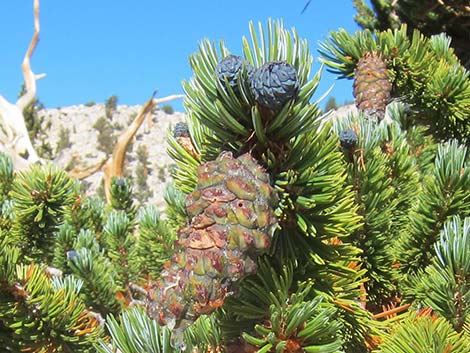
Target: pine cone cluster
(272,85)
(231,210)
(232,220)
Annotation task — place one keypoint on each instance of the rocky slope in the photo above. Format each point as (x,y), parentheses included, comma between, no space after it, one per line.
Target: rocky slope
(79,135)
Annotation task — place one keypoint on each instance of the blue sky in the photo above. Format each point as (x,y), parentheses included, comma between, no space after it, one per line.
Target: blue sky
(92,49)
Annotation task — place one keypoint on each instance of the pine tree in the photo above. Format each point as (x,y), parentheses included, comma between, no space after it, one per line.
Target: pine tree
(331,104)
(284,231)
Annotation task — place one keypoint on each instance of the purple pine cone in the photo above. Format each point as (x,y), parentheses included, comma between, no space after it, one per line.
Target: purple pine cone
(181,130)
(348,139)
(274,83)
(229,68)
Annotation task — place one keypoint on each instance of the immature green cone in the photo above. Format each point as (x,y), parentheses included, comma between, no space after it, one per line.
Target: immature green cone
(372,86)
(232,220)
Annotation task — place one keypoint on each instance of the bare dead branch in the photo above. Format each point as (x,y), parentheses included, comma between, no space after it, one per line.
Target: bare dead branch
(29,77)
(82,173)
(139,289)
(115,165)
(19,162)
(167,99)
(135,302)
(15,139)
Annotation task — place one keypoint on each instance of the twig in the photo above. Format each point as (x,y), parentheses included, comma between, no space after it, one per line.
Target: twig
(138,288)
(82,173)
(391,311)
(135,302)
(97,317)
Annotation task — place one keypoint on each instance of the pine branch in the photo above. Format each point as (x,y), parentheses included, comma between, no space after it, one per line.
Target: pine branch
(120,243)
(315,206)
(134,332)
(155,243)
(296,319)
(365,16)
(42,313)
(121,198)
(176,206)
(6,176)
(419,71)
(396,145)
(423,334)
(88,262)
(86,213)
(445,194)
(65,239)
(444,285)
(41,196)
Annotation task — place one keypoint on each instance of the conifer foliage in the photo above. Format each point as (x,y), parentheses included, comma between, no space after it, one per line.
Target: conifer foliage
(423,72)
(428,16)
(284,231)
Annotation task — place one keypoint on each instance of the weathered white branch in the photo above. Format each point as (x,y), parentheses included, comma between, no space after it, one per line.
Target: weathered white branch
(167,99)
(15,139)
(97,316)
(54,272)
(113,166)
(29,77)
(5,110)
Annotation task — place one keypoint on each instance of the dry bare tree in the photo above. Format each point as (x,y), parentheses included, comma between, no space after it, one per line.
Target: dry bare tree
(14,138)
